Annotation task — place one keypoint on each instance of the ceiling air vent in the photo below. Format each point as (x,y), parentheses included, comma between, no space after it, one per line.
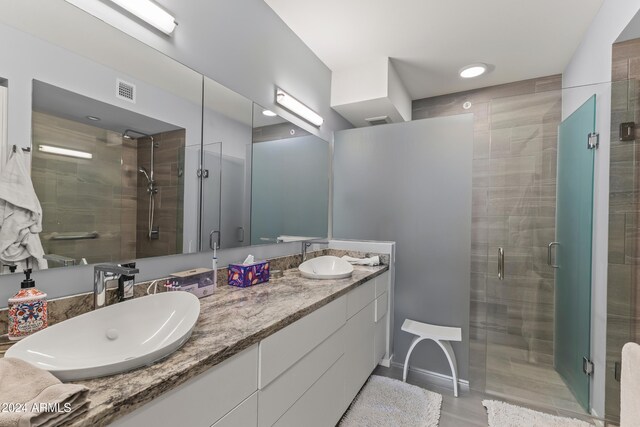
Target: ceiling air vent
(125,90)
(382,120)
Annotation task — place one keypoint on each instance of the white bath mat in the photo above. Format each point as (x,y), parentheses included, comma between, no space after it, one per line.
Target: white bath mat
(502,414)
(385,402)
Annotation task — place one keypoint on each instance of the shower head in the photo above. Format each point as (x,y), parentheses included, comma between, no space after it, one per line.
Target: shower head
(143,170)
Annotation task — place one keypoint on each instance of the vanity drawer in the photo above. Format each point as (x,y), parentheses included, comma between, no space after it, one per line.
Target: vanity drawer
(283,349)
(382,283)
(203,400)
(322,405)
(282,393)
(382,302)
(359,351)
(245,414)
(360,297)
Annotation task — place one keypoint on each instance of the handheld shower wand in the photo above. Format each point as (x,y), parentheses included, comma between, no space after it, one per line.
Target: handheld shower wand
(151,183)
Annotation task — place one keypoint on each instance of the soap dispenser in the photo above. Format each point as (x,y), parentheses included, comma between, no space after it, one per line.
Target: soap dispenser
(27,309)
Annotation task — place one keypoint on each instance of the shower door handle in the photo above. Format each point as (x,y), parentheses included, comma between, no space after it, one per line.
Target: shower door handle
(549,255)
(500,263)
(217,239)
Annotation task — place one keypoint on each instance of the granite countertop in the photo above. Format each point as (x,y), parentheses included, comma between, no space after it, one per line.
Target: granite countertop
(231,320)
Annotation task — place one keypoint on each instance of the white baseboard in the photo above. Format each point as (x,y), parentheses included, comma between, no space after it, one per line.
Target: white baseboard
(435,378)
(598,422)
(386,362)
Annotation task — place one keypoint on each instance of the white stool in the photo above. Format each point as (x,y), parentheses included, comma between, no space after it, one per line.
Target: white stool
(441,335)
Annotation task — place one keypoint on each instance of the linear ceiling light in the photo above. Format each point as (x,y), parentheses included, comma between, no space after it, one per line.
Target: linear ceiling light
(297,107)
(65,152)
(149,12)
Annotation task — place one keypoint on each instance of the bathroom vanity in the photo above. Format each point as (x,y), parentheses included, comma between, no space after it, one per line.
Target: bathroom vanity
(291,352)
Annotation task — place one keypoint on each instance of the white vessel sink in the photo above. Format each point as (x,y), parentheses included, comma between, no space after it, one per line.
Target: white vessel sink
(326,267)
(113,339)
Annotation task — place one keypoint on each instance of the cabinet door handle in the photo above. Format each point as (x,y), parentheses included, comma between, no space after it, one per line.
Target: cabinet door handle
(549,255)
(500,264)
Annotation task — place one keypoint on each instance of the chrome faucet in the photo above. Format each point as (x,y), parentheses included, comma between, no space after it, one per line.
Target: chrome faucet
(307,243)
(102,273)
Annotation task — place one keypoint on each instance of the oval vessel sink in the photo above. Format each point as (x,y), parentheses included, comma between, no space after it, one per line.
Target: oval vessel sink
(113,339)
(326,267)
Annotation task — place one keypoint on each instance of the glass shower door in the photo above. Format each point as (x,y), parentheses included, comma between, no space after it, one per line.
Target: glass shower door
(211,188)
(574,217)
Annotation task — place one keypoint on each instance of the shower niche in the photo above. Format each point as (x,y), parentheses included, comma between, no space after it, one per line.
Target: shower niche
(110,181)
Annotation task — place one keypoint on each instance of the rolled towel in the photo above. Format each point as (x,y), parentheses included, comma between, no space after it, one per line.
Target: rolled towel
(630,385)
(32,397)
(374,260)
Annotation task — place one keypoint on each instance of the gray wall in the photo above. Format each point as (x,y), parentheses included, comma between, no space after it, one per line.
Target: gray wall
(244,45)
(411,183)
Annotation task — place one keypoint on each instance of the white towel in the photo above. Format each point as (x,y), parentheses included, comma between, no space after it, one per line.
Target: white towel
(374,260)
(20,216)
(630,385)
(28,387)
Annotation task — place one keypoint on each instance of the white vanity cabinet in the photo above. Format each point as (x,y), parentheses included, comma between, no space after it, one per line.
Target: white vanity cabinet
(306,374)
(205,399)
(331,374)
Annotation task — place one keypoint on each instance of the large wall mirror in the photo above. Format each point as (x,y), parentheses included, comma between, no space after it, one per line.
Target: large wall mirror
(290,181)
(111,182)
(139,156)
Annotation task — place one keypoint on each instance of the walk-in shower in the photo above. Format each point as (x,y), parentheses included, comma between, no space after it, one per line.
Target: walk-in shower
(152,188)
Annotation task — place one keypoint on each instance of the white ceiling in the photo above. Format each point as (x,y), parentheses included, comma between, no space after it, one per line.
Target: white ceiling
(430,40)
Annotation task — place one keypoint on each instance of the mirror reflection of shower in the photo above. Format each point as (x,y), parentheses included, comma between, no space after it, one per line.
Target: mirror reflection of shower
(152,189)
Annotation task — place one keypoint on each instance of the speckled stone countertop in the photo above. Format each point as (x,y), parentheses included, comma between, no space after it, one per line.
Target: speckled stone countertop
(231,320)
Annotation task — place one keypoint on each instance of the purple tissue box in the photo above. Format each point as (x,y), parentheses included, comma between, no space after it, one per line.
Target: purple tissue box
(244,276)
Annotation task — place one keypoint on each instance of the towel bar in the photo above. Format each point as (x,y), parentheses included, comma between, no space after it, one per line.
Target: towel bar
(85,236)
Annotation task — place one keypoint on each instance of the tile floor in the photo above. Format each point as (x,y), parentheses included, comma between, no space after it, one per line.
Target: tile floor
(509,373)
(467,409)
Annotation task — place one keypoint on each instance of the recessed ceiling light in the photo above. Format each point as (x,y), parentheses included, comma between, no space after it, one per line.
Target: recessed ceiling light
(269,113)
(93,118)
(473,70)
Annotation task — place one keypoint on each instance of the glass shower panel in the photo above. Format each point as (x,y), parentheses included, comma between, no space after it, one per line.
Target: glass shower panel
(517,185)
(574,224)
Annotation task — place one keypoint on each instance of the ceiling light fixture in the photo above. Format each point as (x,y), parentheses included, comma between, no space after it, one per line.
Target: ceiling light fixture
(65,152)
(269,113)
(473,70)
(297,107)
(149,12)
(93,118)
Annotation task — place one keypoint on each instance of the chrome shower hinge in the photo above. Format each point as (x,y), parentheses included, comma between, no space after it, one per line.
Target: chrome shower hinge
(593,140)
(587,366)
(203,173)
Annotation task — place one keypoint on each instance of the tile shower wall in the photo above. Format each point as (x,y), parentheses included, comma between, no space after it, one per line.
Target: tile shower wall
(513,206)
(623,284)
(169,177)
(79,196)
